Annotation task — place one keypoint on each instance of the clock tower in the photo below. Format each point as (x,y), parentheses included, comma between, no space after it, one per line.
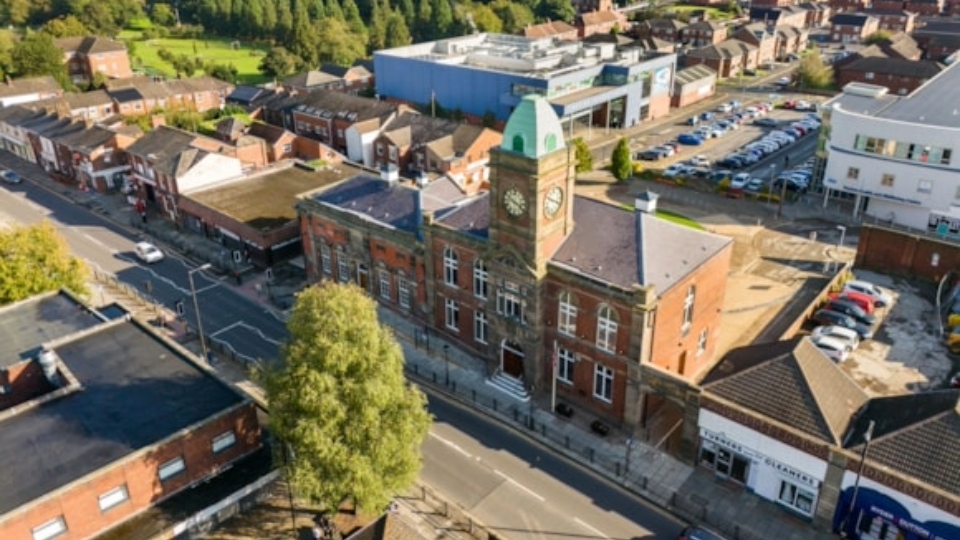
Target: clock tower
(531,186)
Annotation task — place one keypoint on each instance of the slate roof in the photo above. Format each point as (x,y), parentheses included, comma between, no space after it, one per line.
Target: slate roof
(326,101)
(786,31)
(247,95)
(666,24)
(916,434)
(917,69)
(457,143)
(730,48)
(174,152)
(310,79)
(412,128)
(759,31)
(89,45)
(136,391)
(16,115)
(230,127)
(127,82)
(393,205)
(267,132)
(125,95)
(472,217)
(358,69)
(850,19)
(791,382)
(26,325)
(932,27)
(705,25)
(693,73)
(87,139)
(627,248)
(548,29)
(29,85)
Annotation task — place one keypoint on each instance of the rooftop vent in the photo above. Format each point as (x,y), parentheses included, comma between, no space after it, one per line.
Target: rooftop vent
(865,90)
(48,363)
(646,202)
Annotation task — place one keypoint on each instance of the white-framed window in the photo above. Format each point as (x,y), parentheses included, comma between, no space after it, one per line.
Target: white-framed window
(924,186)
(565,362)
(451,266)
(51,529)
(607,329)
(868,76)
(688,303)
(340,133)
(887,180)
(510,305)
(567,315)
(853,173)
(480,276)
(384,284)
(702,342)
(326,262)
(171,468)
(114,497)
(796,497)
(403,292)
(451,317)
(343,269)
(223,441)
(379,149)
(481,327)
(603,383)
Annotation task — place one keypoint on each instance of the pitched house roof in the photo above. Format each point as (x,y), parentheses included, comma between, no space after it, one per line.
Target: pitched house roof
(230,127)
(786,31)
(309,79)
(412,128)
(672,25)
(903,45)
(693,73)
(604,37)
(87,140)
(127,82)
(813,6)
(29,85)
(758,31)
(730,48)
(916,434)
(645,250)
(547,29)
(89,45)
(598,17)
(939,27)
(471,218)
(326,102)
(172,151)
(851,19)
(391,204)
(791,382)
(916,69)
(705,25)
(450,146)
(358,69)
(267,132)
(125,95)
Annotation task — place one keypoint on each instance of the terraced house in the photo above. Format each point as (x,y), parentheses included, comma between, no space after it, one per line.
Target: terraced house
(626,303)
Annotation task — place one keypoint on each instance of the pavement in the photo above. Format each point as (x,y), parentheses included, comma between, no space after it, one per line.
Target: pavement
(642,467)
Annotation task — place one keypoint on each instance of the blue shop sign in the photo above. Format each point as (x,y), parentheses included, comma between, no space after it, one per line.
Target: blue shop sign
(874,509)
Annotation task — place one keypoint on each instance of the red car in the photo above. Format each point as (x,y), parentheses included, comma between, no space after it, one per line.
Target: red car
(789,104)
(865,302)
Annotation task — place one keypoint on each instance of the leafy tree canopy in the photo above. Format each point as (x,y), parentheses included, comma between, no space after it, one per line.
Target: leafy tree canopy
(556,10)
(35,259)
(36,54)
(278,63)
(68,26)
(350,424)
(583,155)
(812,72)
(620,162)
(877,37)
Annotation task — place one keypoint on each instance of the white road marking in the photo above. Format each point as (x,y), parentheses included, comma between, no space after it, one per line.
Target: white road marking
(99,243)
(451,444)
(519,485)
(591,527)
(225,329)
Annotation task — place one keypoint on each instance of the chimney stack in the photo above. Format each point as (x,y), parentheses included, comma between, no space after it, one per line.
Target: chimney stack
(646,202)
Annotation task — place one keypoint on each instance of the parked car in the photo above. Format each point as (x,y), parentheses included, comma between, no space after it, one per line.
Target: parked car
(792,185)
(674,171)
(865,302)
(835,349)
(849,308)
(693,120)
(147,252)
(845,335)
(694,532)
(825,317)
(754,185)
(700,160)
(724,108)
(707,116)
(880,298)
(689,139)
(11,177)
(783,81)
(739,180)
(653,154)
(731,162)
(667,150)
(721,175)
(676,147)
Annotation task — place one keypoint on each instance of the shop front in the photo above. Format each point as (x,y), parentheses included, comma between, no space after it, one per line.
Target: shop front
(879,513)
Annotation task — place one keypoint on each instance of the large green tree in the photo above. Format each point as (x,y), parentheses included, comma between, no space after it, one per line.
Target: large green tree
(349,425)
(35,259)
(68,26)
(812,72)
(620,164)
(36,54)
(555,10)
(278,62)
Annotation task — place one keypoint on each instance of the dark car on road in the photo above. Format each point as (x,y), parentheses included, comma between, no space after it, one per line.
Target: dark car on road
(848,307)
(766,122)
(825,317)
(11,177)
(652,154)
(698,533)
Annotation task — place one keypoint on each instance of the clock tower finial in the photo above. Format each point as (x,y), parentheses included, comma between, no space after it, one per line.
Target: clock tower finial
(531,183)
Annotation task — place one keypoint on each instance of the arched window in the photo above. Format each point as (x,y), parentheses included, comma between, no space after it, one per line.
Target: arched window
(517,143)
(567,315)
(550,142)
(607,329)
(451,265)
(480,279)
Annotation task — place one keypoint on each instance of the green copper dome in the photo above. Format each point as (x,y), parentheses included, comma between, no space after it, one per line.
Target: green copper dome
(533,128)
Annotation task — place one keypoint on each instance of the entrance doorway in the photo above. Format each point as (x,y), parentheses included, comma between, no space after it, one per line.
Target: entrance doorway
(511,359)
(727,464)
(363,277)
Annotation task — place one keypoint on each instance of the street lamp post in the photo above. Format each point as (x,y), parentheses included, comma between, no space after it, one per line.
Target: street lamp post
(856,485)
(446,364)
(843,232)
(196,308)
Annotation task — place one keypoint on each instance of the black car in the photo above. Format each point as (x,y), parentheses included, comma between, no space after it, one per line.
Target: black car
(731,162)
(792,185)
(849,308)
(694,532)
(652,155)
(766,122)
(825,317)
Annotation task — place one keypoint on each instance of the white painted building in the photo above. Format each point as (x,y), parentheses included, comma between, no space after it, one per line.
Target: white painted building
(897,156)
(769,468)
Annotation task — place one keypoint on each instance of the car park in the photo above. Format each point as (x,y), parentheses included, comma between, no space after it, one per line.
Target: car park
(11,177)
(689,139)
(651,155)
(674,171)
(676,147)
(835,349)
(754,185)
(147,252)
(693,121)
(832,318)
(724,108)
(731,162)
(791,185)
(849,308)
(865,302)
(739,180)
(706,116)
(700,160)
(783,81)
(846,335)
(667,150)
(880,298)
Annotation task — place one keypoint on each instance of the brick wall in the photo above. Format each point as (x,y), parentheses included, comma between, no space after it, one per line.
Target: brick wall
(905,254)
(24,381)
(78,503)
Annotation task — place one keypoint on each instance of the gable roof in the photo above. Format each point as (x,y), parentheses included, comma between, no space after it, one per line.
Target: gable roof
(758,31)
(791,382)
(693,73)
(87,140)
(412,128)
(267,132)
(309,79)
(705,25)
(917,69)
(393,205)
(230,127)
(725,49)
(916,434)
(472,217)
(548,29)
(29,85)
(645,250)
(598,17)
(318,102)
(125,95)
(851,19)
(358,69)
(785,31)
(666,24)
(89,45)
(457,143)
(172,151)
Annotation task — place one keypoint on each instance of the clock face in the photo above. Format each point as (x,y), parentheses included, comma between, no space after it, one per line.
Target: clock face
(514,202)
(551,205)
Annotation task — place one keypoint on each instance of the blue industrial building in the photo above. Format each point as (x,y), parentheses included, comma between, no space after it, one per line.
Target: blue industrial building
(480,75)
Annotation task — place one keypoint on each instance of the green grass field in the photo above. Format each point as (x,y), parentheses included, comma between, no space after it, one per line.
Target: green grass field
(679,219)
(246,57)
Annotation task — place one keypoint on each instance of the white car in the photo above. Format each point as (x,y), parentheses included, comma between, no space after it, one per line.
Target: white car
(880,298)
(674,170)
(835,349)
(148,252)
(700,161)
(839,333)
(754,184)
(724,108)
(739,180)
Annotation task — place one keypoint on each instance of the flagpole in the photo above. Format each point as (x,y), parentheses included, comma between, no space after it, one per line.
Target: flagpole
(553,387)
